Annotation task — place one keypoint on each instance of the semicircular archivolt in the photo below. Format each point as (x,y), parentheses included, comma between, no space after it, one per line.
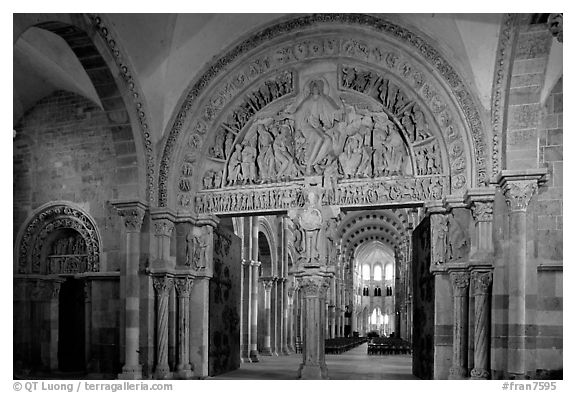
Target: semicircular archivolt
(453,109)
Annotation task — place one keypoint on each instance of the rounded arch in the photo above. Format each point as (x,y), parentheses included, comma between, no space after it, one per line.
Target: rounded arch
(268,244)
(110,72)
(35,236)
(451,106)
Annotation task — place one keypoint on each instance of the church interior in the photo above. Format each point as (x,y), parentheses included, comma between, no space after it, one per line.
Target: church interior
(198,195)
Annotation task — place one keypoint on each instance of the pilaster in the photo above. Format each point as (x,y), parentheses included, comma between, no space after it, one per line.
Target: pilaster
(132,213)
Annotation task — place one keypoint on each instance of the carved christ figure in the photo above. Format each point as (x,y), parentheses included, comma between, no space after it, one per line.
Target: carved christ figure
(314,116)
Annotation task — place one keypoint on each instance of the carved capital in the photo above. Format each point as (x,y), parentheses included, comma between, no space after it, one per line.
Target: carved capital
(482,211)
(460,282)
(163,227)
(133,218)
(54,289)
(183,286)
(314,286)
(519,193)
(162,285)
(267,282)
(481,282)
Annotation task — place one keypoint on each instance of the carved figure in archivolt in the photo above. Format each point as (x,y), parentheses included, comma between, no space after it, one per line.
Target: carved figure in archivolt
(196,246)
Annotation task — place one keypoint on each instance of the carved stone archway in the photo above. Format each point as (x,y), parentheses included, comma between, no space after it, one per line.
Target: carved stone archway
(37,251)
(376,67)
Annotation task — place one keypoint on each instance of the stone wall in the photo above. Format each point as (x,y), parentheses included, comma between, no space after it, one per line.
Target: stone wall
(65,149)
(533,140)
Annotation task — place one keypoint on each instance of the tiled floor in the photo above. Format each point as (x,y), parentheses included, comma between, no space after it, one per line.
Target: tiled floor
(354,364)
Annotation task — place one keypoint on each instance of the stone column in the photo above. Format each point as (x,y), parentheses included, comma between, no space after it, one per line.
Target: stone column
(254,265)
(518,188)
(285,317)
(291,321)
(163,226)
(245,335)
(132,213)
(460,282)
(183,287)
(314,286)
(481,282)
(203,227)
(267,283)
(162,286)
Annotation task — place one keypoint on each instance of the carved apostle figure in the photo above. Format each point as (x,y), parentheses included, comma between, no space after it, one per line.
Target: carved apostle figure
(248,164)
(196,251)
(310,221)
(265,153)
(234,165)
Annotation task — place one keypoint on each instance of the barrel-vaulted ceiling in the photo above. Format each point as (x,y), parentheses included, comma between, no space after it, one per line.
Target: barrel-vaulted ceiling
(168,51)
(389,226)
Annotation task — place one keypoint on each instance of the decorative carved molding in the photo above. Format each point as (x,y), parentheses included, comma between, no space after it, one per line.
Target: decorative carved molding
(330,47)
(135,96)
(460,283)
(481,282)
(348,193)
(500,87)
(518,194)
(556,26)
(80,255)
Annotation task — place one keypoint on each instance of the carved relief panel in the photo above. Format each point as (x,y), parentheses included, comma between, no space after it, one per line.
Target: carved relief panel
(60,239)
(272,124)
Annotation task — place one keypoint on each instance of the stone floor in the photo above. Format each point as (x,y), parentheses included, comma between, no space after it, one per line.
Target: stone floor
(354,364)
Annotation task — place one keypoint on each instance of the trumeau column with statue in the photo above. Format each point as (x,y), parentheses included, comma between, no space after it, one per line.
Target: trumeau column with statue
(314,227)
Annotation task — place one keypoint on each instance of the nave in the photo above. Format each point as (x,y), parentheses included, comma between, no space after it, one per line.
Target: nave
(351,365)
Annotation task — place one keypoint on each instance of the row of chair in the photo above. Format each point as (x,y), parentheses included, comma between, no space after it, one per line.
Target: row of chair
(388,346)
(342,344)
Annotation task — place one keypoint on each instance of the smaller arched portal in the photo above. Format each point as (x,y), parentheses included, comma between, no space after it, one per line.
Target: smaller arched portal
(56,250)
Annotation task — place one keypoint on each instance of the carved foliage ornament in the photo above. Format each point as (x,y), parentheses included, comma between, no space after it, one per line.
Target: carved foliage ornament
(314,286)
(133,218)
(519,193)
(460,283)
(183,286)
(34,243)
(162,285)
(482,211)
(481,282)
(163,227)
(330,47)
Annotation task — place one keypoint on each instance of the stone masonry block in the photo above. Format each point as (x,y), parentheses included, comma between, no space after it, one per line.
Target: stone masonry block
(533,45)
(554,137)
(524,95)
(526,80)
(523,116)
(531,66)
(553,153)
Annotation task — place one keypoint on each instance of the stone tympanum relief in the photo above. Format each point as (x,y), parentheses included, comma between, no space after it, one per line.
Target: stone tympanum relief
(368,148)
(253,77)
(59,239)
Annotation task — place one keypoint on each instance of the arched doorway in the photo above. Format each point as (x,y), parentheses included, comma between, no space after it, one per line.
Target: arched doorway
(363,118)
(71,327)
